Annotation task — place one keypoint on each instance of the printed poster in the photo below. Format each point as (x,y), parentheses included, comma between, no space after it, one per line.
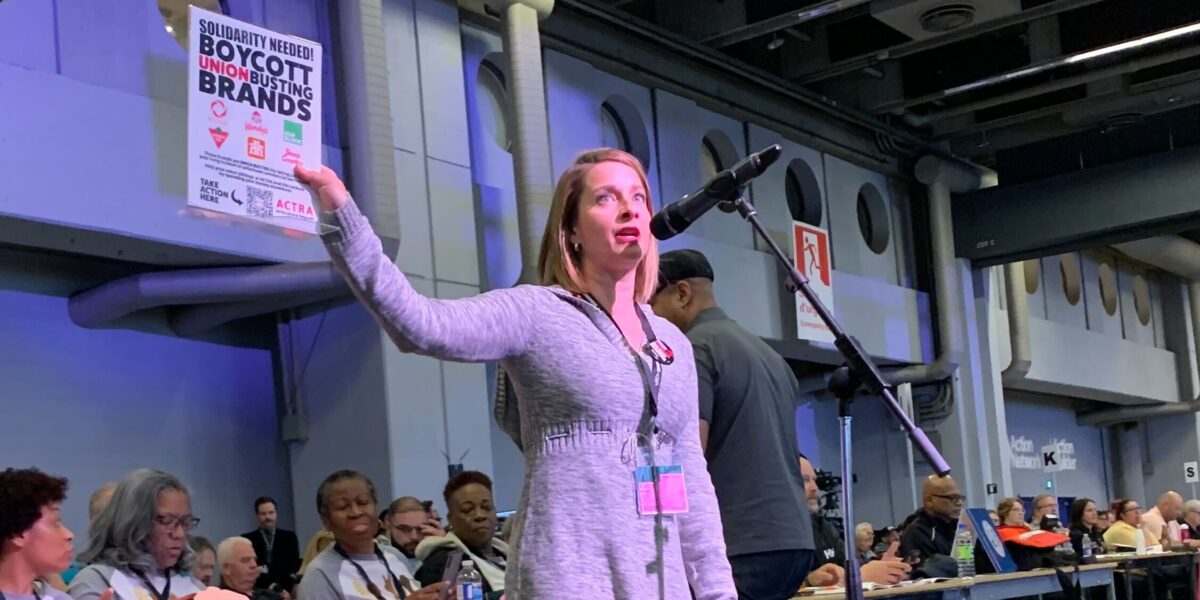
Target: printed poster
(254,111)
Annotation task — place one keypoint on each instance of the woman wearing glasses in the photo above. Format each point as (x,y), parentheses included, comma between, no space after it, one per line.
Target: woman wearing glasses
(139,544)
(1124,530)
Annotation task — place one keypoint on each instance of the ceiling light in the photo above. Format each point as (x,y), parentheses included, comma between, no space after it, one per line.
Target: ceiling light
(1161,36)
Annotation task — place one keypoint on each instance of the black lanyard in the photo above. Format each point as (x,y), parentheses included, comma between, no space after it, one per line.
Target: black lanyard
(166,591)
(371,587)
(269,544)
(658,351)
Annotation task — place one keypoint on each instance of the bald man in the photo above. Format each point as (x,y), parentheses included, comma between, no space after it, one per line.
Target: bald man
(1162,518)
(932,530)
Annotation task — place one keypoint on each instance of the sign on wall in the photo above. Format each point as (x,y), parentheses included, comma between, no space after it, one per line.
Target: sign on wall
(1191,472)
(813,260)
(1058,455)
(254,111)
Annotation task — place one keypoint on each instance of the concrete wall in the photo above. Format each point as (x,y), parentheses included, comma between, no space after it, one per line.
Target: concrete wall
(93,405)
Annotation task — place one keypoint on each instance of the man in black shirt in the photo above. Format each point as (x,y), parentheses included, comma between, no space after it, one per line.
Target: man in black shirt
(830,559)
(932,530)
(276,550)
(747,399)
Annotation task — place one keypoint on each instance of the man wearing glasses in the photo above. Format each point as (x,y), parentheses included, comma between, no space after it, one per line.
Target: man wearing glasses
(1043,505)
(408,521)
(932,531)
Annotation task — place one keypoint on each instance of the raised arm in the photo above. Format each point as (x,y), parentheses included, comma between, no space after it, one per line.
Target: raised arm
(487,327)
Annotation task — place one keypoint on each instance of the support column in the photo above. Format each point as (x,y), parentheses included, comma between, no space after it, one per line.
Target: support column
(975,431)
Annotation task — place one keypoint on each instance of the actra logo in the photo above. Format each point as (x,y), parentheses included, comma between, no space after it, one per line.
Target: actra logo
(292,208)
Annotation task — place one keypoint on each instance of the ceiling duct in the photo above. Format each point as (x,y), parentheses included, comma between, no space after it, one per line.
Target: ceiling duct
(923,19)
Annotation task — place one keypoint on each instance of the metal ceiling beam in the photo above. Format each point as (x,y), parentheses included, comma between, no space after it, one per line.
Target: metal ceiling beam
(1183,87)
(776,23)
(1077,58)
(1135,199)
(1132,66)
(863,61)
(647,54)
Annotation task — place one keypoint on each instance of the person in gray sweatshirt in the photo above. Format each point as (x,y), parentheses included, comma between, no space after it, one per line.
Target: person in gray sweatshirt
(600,394)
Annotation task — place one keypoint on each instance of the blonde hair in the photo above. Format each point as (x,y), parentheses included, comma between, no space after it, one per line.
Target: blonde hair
(558,263)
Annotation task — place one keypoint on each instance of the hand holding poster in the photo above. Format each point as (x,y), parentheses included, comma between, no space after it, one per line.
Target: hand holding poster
(254,111)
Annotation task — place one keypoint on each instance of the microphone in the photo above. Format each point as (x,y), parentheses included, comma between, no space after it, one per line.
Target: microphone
(726,185)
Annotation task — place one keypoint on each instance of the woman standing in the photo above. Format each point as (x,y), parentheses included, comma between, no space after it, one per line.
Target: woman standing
(605,391)
(139,542)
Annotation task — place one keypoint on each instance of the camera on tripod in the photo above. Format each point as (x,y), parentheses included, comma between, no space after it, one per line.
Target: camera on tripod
(827,481)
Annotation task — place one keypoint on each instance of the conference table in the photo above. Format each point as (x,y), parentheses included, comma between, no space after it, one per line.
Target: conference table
(993,586)
(1128,561)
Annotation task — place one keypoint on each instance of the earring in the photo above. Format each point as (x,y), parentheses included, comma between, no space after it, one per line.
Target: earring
(576,247)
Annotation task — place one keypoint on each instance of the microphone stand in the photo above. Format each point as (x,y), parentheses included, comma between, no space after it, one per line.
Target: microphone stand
(858,370)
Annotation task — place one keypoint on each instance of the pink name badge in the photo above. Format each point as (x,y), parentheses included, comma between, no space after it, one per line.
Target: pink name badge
(672,492)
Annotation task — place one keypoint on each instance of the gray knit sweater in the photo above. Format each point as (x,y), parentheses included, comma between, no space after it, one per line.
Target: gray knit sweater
(579,398)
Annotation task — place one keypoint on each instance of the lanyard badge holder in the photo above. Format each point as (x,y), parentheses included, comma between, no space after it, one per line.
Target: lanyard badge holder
(658,483)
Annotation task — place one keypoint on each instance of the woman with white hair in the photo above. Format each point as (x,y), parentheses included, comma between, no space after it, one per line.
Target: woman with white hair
(139,545)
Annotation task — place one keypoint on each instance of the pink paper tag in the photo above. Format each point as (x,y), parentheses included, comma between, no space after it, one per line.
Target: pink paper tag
(672,491)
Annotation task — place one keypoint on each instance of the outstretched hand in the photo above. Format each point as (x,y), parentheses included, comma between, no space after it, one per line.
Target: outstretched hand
(326,184)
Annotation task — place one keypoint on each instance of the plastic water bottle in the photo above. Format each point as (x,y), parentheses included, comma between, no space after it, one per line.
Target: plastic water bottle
(469,582)
(964,551)
(1089,550)
(1140,537)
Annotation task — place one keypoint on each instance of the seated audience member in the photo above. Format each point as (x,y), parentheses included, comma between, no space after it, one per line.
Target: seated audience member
(96,504)
(1083,524)
(355,566)
(34,543)
(829,555)
(864,538)
(1103,520)
(1124,530)
(206,560)
(139,542)
(995,517)
(1012,514)
(1191,518)
(1043,505)
(884,538)
(932,530)
(407,523)
(240,570)
(472,532)
(1162,519)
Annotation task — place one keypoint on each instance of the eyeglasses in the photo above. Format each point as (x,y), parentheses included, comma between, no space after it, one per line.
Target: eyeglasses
(1137,508)
(187,522)
(954,498)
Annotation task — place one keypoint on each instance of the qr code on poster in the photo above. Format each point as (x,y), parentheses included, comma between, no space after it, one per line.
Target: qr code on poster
(259,202)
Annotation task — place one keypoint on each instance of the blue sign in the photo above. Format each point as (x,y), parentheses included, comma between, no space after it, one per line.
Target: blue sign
(980,522)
